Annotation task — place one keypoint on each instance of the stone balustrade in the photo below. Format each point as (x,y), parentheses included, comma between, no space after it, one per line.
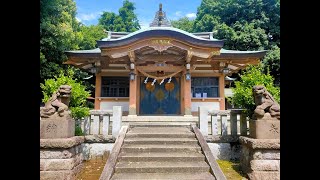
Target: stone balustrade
(101,125)
(223,124)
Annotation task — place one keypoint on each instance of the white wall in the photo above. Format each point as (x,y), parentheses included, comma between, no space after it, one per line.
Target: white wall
(210,106)
(109,105)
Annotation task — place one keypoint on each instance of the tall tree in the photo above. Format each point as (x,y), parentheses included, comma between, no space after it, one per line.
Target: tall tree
(126,21)
(57,34)
(90,35)
(244,25)
(184,24)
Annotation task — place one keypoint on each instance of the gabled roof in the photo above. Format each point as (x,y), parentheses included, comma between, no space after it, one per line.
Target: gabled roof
(154,32)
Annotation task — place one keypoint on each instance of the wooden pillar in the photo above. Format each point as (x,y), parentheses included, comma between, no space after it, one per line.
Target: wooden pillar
(133,95)
(221,92)
(97,91)
(187,95)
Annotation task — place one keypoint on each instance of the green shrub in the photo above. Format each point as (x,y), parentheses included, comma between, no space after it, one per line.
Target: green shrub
(78,131)
(242,93)
(78,95)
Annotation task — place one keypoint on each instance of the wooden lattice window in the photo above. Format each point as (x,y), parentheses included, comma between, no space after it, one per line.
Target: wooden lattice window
(203,87)
(114,87)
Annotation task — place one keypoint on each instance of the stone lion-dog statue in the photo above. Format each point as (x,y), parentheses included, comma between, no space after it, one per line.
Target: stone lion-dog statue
(265,103)
(58,103)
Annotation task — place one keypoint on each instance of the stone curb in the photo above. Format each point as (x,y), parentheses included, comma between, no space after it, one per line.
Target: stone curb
(61,143)
(260,143)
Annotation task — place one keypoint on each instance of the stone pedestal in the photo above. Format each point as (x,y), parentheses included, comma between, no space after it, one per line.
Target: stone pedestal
(57,127)
(60,158)
(260,158)
(265,129)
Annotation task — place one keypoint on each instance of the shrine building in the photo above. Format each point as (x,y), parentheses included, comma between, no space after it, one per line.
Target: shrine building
(161,70)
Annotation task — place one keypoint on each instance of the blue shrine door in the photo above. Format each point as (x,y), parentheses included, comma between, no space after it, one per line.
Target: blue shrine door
(160,99)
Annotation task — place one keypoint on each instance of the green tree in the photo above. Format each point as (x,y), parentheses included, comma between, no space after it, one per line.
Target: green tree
(90,34)
(249,37)
(244,25)
(107,21)
(271,62)
(79,93)
(126,21)
(184,24)
(242,93)
(57,34)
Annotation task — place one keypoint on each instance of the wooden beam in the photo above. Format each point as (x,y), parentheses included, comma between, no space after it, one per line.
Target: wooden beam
(160,68)
(132,56)
(160,57)
(189,56)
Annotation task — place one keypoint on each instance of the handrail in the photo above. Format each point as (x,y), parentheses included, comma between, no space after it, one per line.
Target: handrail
(214,166)
(109,168)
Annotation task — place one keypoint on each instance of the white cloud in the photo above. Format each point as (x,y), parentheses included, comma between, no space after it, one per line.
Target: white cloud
(178,13)
(88,17)
(191,15)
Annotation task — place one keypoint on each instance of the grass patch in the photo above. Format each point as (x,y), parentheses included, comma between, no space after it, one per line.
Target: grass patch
(231,170)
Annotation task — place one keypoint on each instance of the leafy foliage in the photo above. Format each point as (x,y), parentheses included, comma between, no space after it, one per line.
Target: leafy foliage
(78,96)
(184,24)
(126,21)
(244,25)
(78,131)
(57,34)
(242,93)
(90,34)
(271,63)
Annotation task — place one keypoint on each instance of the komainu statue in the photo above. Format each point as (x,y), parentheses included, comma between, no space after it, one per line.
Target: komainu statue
(265,104)
(58,103)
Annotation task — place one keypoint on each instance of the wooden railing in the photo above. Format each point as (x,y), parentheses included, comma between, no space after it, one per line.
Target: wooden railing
(223,122)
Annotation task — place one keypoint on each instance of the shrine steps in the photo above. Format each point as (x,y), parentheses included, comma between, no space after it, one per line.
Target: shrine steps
(161,152)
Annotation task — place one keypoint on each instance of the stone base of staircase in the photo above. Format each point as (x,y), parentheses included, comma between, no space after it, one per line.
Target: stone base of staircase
(160,120)
(161,151)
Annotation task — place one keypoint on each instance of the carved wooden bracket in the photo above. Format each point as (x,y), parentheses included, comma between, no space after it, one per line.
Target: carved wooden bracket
(160,44)
(132,56)
(189,56)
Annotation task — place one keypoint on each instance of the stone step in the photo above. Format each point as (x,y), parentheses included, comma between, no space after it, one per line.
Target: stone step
(163,176)
(129,148)
(191,119)
(161,156)
(160,141)
(157,130)
(160,124)
(161,167)
(161,135)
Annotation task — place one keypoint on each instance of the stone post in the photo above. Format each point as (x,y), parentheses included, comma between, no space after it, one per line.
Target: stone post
(203,120)
(60,150)
(117,120)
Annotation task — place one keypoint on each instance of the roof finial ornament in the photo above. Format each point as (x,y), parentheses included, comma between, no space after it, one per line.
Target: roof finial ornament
(160,19)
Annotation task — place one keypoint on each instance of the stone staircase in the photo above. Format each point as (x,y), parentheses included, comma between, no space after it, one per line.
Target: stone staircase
(161,152)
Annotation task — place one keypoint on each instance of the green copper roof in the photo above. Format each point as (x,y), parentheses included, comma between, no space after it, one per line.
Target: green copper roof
(225,51)
(96,50)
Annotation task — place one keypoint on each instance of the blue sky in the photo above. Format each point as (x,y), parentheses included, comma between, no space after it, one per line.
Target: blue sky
(89,11)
